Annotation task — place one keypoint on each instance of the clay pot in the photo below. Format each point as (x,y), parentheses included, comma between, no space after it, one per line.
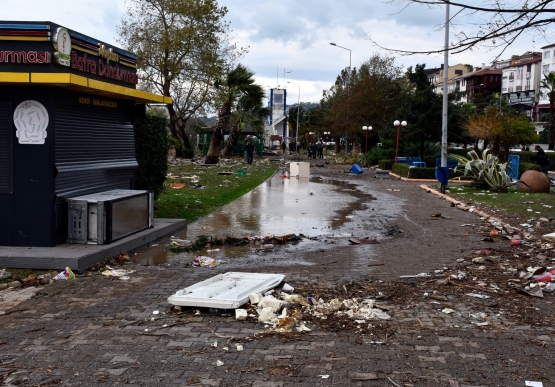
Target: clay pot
(533,182)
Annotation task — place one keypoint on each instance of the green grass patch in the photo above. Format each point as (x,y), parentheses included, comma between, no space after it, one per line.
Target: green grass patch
(206,190)
(522,205)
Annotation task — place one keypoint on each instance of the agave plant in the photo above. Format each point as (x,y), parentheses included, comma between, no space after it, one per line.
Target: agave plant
(485,171)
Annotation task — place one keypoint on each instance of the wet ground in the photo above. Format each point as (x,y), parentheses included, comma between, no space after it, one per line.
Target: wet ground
(320,209)
(101,331)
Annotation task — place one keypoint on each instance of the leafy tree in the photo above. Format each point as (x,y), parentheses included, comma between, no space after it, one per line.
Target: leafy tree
(367,96)
(501,130)
(182,46)
(237,83)
(548,83)
(422,109)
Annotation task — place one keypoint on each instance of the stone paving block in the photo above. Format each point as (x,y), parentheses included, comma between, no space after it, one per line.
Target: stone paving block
(259,383)
(447,338)
(122,359)
(473,356)
(439,359)
(434,348)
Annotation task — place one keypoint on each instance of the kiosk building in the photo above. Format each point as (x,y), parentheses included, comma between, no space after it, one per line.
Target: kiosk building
(68,104)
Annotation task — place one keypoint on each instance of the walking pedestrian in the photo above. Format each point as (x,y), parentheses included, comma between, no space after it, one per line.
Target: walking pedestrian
(541,159)
(250,152)
(283,146)
(320,149)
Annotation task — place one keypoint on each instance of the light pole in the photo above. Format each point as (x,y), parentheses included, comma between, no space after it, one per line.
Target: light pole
(347,130)
(298,108)
(366,129)
(398,125)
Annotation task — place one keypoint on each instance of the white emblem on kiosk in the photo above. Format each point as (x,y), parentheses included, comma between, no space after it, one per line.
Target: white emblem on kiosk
(62,45)
(31,119)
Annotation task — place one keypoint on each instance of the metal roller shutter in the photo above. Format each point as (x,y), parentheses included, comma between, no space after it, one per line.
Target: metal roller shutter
(94,152)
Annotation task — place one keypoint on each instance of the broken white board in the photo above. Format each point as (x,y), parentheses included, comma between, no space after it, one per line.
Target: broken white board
(225,291)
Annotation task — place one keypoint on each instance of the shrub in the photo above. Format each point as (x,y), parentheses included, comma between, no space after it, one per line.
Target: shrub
(523,167)
(422,173)
(486,171)
(400,169)
(385,164)
(151,151)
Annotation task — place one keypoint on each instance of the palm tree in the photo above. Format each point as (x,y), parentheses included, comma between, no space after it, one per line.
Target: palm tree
(548,83)
(238,82)
(249,111)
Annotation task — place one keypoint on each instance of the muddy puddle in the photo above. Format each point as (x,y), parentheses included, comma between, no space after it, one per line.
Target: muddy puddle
(321,210)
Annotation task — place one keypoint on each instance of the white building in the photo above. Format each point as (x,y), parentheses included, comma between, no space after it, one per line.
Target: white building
(520,82)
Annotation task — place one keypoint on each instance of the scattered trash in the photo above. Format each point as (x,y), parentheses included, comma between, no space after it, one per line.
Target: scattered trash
(203,261)
(323,376)
(241,314)
(494,233)
(420,275)
(364,241)
(239,348)
(287,288)
(550,237)
(120,273)
(476,295)
(447,311)
(535,292)
(219,363)
(533,384)
(178,185)
(436,215)
(67,274)
(515,242)
(214,344)
(265,314)
(225,291)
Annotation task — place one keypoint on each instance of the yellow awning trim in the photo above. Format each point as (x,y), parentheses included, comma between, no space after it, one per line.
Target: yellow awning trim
(83,84)
(14,77)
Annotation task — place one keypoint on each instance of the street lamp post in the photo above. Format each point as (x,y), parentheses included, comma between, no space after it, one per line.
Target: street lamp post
(298,108)
(346,135)
(398,125)
(366,129)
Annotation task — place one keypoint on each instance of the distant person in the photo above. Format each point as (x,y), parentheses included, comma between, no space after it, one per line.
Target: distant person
(283,146)
(320,149)
(298,147)
(541,159)
(250,152)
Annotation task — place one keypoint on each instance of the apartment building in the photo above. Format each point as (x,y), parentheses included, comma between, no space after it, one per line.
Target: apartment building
(521,82)
(547,66)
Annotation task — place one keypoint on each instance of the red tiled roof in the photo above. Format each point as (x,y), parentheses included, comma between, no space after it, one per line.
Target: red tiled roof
(535,60)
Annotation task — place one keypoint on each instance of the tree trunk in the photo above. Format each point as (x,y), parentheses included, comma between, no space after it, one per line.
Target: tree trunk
(213,155)
(177,129)
(231,142)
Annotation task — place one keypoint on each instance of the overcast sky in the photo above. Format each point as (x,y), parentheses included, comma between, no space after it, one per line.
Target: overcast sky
(292,35)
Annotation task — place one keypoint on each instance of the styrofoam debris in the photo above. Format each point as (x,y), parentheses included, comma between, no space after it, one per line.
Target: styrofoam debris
(447,311)
(265,314)
(295,299)
(239,348)
(219,363)
(214,344)
(303,328)
(240,314)
(255,298)
(270,302)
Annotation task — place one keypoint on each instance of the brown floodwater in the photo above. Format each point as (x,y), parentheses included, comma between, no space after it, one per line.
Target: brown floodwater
(313,207)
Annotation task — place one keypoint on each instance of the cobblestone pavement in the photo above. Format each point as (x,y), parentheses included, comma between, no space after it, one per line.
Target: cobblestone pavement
(94,331)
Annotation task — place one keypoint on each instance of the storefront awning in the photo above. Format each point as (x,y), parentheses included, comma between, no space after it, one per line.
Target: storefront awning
(76,82)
